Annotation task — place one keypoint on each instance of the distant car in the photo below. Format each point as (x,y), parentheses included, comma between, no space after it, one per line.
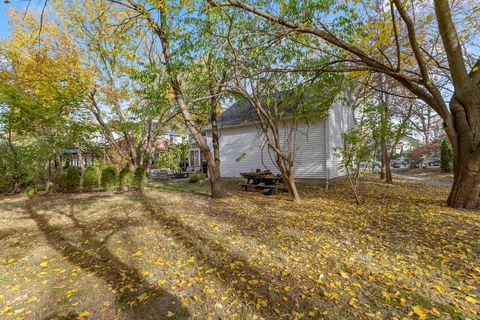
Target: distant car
(396,163)
(431,163)
(376,165)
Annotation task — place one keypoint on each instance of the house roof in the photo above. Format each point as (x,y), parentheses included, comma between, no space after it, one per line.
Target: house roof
(243,112)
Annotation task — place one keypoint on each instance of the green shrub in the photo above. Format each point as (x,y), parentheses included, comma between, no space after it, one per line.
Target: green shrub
(91,179)
(59,179)
(73,179)
(126,179)
(446,156)
(109,178)
(195,178)
(140,178)
(29,191)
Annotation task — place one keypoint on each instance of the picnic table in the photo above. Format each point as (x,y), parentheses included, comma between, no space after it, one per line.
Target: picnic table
(265,181)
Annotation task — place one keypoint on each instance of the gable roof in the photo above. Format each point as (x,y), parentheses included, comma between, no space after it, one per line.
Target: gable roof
(243,112)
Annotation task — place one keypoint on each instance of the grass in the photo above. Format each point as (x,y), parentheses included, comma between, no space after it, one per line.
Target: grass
(431,174)
(173,253)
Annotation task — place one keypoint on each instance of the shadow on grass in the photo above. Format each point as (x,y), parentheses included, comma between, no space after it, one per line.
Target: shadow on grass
(236,272)
(91,254)
(200,189)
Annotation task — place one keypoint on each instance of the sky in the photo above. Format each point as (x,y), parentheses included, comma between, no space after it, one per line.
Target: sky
(19,4)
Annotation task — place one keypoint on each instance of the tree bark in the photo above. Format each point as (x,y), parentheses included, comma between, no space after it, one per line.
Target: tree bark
(388,170)
(292,187)
(466,186)
(465,192)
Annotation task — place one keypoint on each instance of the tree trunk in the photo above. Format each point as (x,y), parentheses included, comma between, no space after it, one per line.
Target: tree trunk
(292,187)
(216,184)
(383,153)
(388,170)
(466,186)
(465,191)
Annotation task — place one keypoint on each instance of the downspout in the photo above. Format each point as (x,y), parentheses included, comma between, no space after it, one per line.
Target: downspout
(327,151)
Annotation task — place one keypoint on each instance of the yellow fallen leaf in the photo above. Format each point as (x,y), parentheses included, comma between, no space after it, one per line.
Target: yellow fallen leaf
(71,292)
(6,309)
(439,289)
(83,314)
(44,264)
(142,297)
(31,299)
(137,254)
(287,288)
(471,299)
(344,275)
(435,312)
(420,312)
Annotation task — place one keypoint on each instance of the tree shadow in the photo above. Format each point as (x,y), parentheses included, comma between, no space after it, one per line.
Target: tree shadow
(89,253)
(267,293)
(170,186)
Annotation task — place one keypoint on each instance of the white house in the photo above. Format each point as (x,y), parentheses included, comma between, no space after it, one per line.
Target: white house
(242,148)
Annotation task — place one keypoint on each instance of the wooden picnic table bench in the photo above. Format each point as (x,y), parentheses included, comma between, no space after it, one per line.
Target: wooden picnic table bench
(265,181)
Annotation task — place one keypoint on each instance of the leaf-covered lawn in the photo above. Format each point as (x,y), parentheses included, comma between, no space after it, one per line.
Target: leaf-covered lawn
(173,253)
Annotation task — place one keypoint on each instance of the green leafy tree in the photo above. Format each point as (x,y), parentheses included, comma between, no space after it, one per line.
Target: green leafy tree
(446,156)
(172,159)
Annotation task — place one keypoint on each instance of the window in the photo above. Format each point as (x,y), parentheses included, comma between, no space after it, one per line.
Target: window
(195,158)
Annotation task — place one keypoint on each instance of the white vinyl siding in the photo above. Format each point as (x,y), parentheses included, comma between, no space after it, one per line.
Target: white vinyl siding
(340,120)
(242,149)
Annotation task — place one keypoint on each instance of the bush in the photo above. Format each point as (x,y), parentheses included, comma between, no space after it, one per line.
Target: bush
(29,191)
(140,178)
(91,179)
(73,179)
(195,178)
(126,179)
(109,178)
(446,156)
(59,178)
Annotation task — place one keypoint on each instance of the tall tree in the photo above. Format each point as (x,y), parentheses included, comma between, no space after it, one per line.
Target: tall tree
(170,29)
(413,61)
(280,101)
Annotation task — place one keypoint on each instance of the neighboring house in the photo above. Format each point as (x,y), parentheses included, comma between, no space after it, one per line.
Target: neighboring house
(195,162)
(156,146)
(242,148)
(74,157)
(406,144)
